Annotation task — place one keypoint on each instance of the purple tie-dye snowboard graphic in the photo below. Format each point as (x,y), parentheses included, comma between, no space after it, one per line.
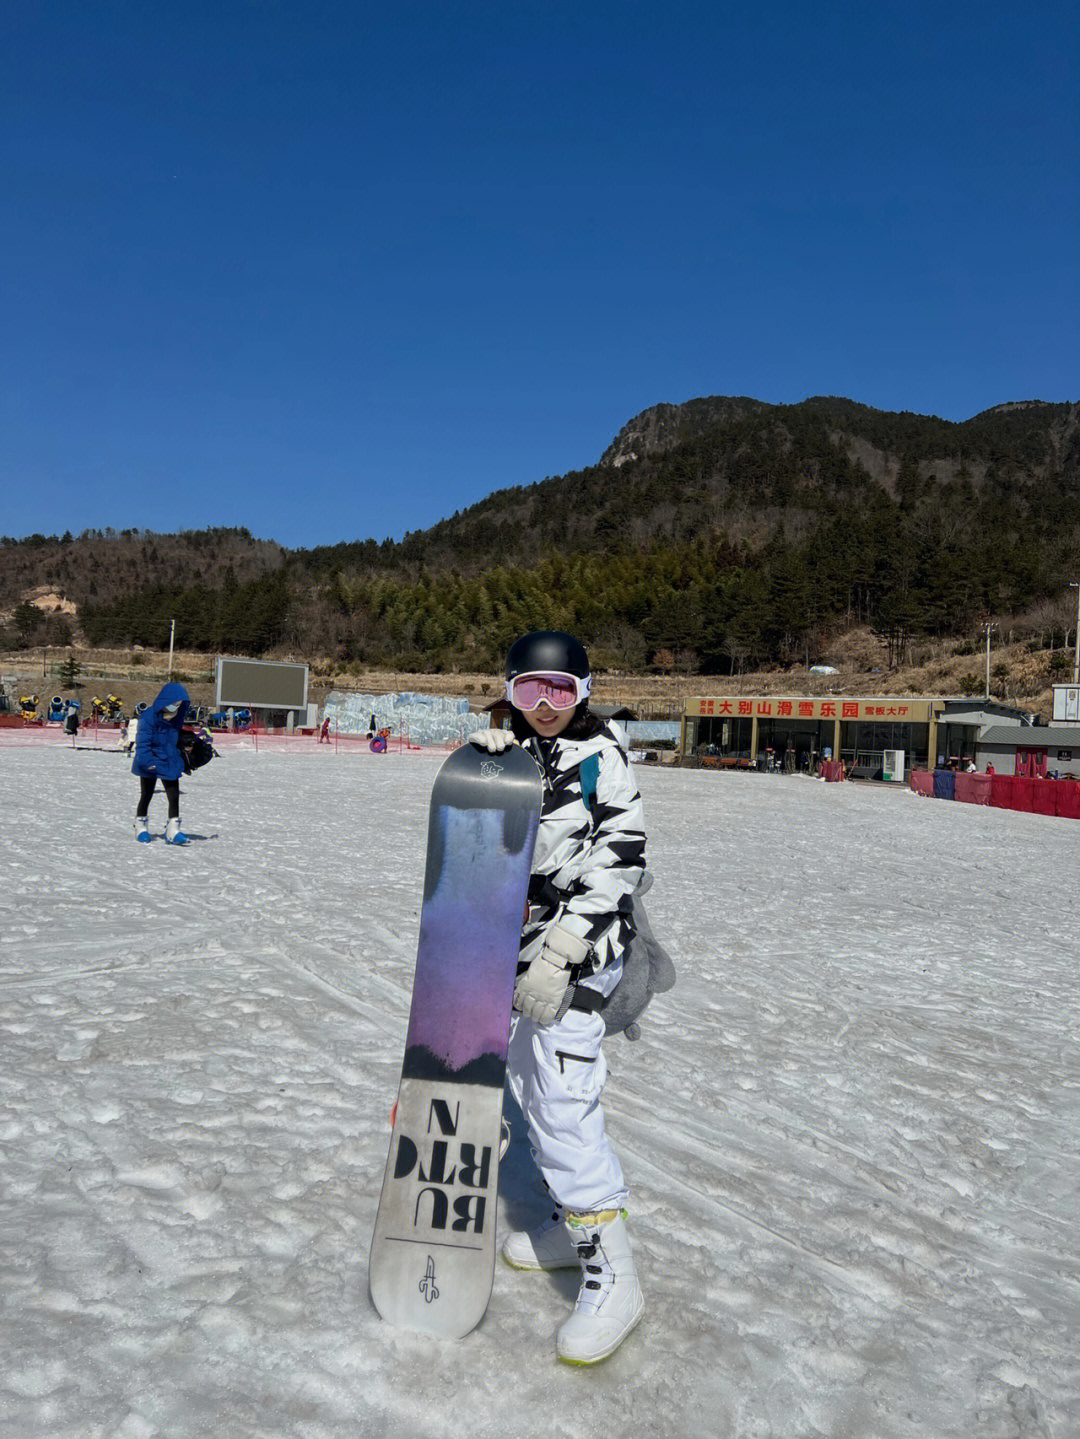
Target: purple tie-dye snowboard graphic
(433,1250)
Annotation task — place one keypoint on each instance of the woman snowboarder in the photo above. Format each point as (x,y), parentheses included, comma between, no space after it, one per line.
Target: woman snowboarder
(589,860)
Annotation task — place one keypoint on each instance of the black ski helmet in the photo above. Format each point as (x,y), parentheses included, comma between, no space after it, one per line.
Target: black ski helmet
(547,652)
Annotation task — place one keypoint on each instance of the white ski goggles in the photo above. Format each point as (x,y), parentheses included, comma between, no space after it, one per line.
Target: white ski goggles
(560,691)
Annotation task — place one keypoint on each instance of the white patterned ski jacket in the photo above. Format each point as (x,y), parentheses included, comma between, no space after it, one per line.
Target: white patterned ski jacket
(589,859)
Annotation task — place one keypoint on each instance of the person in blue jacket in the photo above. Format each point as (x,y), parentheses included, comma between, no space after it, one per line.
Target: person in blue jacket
(158,757)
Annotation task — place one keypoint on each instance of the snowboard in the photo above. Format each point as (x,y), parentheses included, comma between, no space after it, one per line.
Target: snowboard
(433,1250)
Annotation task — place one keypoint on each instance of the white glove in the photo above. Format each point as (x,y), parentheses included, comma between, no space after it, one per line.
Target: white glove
(493,740)
(540,991)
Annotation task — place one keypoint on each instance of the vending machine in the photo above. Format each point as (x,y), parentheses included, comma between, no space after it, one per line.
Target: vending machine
(892,767)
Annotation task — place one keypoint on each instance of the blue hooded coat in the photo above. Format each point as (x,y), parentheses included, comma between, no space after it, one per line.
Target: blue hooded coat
(157,740)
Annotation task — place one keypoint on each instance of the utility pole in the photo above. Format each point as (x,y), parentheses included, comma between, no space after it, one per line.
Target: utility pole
(1074,585)
(989,627)
(172,636)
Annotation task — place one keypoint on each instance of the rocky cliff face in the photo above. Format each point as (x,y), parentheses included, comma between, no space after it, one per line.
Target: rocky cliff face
(662,427)
(1037,434)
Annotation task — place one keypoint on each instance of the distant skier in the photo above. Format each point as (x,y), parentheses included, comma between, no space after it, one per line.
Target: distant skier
(324,732)
(158,757)
(130,733)
(589,860)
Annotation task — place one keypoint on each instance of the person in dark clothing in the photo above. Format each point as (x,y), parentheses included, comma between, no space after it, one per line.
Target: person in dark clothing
(158,757)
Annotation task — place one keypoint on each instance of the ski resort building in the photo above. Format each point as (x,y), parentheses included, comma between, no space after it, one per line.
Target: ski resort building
(1046,750)
(797,732)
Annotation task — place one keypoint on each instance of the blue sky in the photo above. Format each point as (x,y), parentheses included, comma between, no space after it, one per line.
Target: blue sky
(335,270)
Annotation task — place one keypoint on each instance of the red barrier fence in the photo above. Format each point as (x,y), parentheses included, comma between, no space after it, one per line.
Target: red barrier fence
(1044,797)
(1058,797)
(974,788)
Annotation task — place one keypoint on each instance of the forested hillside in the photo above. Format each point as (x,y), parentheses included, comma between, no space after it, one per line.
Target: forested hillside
(721,533)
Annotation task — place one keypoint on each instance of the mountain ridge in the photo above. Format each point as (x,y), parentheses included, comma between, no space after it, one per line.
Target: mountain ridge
(724,526)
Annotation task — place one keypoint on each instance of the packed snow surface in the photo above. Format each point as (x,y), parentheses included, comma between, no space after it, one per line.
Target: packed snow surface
(851,1130)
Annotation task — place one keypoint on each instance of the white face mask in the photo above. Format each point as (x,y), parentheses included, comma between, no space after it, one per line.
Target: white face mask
(171,711)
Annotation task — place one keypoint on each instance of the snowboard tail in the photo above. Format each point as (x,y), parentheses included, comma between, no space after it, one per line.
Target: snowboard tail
(434,1246)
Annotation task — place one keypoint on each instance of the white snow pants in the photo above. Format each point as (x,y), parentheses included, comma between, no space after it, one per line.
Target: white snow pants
(556,1074)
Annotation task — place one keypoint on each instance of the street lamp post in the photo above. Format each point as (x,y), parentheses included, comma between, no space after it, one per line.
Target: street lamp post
(172,636)
(989,627)
(1075,585)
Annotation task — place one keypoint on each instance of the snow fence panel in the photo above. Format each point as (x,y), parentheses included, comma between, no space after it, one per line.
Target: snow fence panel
(1010,791)
(974,788)
(1044,797)
(944,784)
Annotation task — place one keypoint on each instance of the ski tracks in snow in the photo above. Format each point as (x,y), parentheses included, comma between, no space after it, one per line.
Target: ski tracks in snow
(202,1035)
(851,1130)
(890,1083)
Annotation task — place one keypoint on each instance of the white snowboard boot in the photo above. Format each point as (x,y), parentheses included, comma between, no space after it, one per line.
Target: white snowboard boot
(548,1247)
(174,834)
(141,831)
(610,1302)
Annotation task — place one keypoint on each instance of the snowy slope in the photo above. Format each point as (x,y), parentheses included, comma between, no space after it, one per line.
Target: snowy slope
(852,1130)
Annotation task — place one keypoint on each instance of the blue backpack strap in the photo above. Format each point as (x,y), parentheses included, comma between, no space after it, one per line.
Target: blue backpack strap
(589,773)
